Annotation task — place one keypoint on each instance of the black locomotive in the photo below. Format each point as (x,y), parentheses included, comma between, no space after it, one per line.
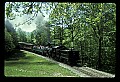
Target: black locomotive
(58,53)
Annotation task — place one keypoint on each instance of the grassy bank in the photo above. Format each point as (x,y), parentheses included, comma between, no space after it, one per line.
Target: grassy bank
(30,65)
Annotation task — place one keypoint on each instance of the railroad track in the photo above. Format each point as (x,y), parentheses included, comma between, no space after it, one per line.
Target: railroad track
(81,71)
(94,73)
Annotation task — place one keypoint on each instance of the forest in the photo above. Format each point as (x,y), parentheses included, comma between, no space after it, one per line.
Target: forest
(89,28)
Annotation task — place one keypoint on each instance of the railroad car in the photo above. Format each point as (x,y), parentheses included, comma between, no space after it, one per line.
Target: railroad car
(59,53)
(65,55)
(70,57)
(47,52)
(25,46)
(37,50)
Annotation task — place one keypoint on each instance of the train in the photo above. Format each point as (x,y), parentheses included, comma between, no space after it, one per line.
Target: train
(59,53)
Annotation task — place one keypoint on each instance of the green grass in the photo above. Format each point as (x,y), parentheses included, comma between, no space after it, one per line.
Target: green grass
(29,65)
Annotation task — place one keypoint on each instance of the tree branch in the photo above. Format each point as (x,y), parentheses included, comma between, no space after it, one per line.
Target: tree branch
(35,14)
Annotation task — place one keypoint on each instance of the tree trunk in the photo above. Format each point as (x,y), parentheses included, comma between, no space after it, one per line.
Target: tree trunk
(48,34)
(100,49)
(99,55)
(81,52)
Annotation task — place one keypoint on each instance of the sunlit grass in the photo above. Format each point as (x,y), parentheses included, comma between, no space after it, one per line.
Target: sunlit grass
(33,66)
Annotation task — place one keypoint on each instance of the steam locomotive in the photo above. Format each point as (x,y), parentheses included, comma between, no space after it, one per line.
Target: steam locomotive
(58,53)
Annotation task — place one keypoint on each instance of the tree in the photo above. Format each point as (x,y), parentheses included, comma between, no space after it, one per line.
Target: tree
(88,27)
(97,20)
(9,45)
(13,9)
(91,26)
(9,27)
(21,35)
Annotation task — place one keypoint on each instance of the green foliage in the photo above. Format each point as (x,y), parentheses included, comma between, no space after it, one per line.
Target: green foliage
(41,36)
(9,45)
(94,28)
(9,28)
(21,35)
(91,27)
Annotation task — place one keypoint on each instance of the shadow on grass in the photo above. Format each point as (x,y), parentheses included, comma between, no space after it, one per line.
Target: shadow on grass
(15,55)
(14,63)
(26,60)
